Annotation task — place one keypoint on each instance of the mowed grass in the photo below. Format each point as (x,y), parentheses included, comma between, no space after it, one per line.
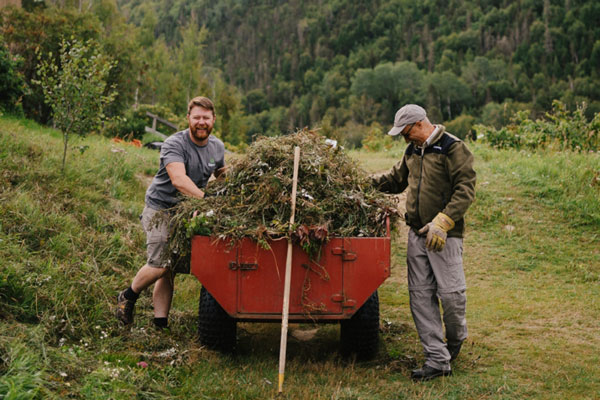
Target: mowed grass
(69,242)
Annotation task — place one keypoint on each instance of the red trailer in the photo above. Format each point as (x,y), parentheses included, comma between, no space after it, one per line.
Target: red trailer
(243,281)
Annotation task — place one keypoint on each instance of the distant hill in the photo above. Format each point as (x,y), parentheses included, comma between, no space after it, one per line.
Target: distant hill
(330,60)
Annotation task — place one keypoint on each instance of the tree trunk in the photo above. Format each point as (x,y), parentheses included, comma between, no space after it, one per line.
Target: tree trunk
(65,141)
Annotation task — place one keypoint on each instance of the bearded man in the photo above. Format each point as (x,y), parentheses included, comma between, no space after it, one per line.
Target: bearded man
(187,161)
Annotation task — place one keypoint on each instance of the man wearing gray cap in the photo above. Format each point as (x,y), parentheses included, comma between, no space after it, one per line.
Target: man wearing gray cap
(437,170)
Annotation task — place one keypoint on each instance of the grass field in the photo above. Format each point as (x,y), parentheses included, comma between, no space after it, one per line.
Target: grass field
(69,241)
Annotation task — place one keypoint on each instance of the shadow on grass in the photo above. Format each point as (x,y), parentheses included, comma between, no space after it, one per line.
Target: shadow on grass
(306,342)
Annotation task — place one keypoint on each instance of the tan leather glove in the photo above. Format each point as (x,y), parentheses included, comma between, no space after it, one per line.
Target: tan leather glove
(437,232)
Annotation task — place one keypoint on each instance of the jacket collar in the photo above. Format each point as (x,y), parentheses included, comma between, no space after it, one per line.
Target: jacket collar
(435,136)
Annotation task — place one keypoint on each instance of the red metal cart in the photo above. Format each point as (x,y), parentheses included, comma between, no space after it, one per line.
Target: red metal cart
(243,281)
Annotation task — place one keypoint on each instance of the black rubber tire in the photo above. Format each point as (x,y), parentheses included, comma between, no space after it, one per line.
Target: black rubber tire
(359,335)
(216,329)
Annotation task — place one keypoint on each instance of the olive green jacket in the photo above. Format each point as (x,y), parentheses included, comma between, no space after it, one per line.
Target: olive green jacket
(439,179)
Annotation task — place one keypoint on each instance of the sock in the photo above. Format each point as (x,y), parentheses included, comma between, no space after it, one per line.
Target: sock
(130,294)
(161,322)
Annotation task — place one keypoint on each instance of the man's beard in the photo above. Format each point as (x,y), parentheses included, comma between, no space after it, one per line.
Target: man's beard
(198,133)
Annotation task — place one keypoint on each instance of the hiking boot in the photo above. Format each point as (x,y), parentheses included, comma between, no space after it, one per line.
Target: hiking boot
(454,350)
(428,373)
(125,308)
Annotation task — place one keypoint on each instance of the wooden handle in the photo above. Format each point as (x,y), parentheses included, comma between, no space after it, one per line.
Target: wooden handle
(288,276)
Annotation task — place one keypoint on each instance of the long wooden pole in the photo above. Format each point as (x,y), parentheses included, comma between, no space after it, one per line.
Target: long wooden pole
(288,276)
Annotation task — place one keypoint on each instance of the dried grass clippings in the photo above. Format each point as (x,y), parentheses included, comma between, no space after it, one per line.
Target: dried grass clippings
(334,198)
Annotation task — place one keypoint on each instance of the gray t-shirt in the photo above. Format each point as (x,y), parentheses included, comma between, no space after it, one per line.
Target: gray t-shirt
(200,162)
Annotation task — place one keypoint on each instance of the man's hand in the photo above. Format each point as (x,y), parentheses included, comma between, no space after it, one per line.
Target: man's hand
(437,232)
(221,171)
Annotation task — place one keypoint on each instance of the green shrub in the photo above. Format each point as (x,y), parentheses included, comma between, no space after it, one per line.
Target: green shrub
(461,126)
(12,84)
(377,139)
(560,129)
(352,135)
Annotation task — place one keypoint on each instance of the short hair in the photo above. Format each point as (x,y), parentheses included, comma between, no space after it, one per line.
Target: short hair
(203,102)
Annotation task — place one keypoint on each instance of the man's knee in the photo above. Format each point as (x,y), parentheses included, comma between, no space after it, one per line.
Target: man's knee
(454,304)
(454,299)
(167,277)
(423,297)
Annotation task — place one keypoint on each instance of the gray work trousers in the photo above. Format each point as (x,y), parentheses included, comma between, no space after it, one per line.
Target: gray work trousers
(435,276)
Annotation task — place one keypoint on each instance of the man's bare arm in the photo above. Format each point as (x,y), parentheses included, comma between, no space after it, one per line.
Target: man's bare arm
(181,181)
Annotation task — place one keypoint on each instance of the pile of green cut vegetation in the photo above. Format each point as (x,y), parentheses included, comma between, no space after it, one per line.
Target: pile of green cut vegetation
(334,197)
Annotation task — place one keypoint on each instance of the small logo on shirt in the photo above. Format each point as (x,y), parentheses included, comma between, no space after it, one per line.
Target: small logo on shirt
(212,163)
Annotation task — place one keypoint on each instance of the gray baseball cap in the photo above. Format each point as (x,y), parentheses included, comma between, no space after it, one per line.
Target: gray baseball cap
(409,114)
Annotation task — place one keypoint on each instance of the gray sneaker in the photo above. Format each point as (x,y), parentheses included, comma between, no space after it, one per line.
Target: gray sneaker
(125,308)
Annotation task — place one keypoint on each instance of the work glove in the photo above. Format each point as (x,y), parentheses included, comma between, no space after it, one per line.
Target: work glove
(437,232)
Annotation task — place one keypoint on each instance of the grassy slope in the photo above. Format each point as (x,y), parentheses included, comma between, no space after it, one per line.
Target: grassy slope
(67,243)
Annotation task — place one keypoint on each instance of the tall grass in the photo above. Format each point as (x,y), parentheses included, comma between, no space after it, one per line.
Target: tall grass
(72,230)
(568,181)
(67,240)
(528,200)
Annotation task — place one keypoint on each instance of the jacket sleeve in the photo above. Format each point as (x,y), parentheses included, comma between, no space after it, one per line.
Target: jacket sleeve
(462,178)
(393,181)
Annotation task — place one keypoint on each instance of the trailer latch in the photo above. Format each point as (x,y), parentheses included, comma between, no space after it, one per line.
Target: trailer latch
(346,255)
(349,303)
(341,298)
(338,298)
(242,266)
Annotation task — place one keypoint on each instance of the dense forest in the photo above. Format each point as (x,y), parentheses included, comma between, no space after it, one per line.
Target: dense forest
(344,66)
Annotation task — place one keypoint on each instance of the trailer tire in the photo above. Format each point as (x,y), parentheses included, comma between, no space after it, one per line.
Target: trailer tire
(359,335)
(216,329)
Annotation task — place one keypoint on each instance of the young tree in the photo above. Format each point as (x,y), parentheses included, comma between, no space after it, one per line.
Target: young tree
(75,87)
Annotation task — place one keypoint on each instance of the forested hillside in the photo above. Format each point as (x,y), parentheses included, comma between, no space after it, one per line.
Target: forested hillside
(347,61)
(346,66)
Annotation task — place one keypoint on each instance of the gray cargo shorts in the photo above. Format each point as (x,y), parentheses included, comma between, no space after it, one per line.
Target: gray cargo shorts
(157,236)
